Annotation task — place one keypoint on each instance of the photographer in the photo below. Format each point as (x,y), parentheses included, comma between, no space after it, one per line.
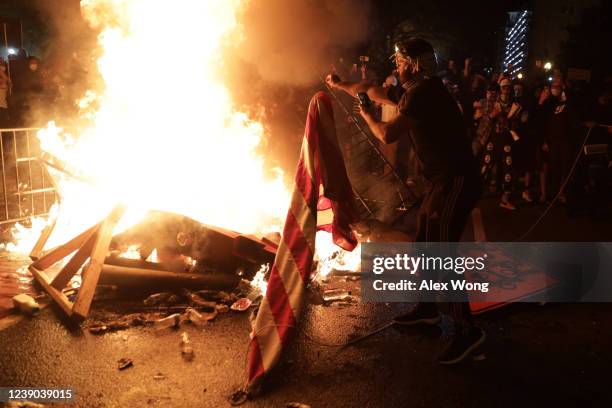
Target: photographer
(429,117)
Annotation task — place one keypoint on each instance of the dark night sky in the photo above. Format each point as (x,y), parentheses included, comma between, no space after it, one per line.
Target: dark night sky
(469,27)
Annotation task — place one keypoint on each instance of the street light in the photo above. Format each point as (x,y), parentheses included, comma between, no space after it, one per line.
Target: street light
(520,75)
(11,51)
(548,66)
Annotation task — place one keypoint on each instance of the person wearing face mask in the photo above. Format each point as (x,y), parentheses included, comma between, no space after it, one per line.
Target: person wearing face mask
(28,91)
(525,148)
(557,126)
(483,110)
(5,84)
(498,136)
(429,117)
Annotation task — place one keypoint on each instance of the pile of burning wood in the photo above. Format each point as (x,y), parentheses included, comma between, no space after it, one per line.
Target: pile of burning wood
(168,251)
(187,254)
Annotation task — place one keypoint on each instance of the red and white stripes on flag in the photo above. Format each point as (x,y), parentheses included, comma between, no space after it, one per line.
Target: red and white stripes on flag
(320,163)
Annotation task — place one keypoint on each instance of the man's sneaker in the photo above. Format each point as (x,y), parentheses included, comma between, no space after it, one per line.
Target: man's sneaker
(527,197)
(418,315)
(507,205)
(461,345)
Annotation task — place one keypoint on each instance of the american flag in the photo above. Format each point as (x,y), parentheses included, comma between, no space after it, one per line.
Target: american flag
(320,165)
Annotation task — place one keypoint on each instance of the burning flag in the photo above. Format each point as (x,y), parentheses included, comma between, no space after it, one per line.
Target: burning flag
(320,163)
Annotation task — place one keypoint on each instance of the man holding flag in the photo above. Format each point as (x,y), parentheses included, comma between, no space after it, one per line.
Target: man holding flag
(430,118)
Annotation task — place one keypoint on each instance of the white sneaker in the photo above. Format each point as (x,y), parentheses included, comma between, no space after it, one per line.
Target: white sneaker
(527,197)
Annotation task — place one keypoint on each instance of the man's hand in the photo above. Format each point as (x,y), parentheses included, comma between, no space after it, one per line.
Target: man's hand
(332,80)
(366,112)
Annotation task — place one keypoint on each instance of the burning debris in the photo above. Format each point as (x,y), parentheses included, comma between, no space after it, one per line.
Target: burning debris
(191,254)
(185,245)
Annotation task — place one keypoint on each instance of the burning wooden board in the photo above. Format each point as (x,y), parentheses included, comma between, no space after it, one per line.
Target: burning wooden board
(231,256)
(183,244)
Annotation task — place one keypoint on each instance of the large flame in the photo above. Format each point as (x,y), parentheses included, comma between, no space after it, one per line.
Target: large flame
(162,132)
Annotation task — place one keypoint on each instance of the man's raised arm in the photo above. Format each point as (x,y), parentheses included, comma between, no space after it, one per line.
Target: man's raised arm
(376,93)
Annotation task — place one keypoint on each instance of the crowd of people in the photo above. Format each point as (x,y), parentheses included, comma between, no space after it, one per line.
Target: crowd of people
(514,129)
(22,87)
(525,132)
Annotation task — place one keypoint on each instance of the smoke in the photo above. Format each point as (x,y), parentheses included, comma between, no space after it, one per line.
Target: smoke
(68,60)
(296,41)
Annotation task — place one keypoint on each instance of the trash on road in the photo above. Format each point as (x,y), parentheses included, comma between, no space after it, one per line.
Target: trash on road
(186,347)
(23,404)
(174,320)
(296,405)
(25,304)
(124,363)
(157,298)
(238,398)
(333,295)
(221,308)
(199,319)
(241,304)
(98,329)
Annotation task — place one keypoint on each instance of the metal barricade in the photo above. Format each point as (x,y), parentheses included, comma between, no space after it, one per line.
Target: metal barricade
(27,188)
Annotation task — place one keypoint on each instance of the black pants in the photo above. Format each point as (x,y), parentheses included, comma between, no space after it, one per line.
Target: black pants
(442,218)
(498,154)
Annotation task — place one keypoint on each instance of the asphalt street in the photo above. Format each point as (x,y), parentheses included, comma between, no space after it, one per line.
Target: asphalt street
(536,355)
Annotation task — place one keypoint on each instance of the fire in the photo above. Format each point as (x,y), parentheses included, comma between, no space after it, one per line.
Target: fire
(161,132)
(329,256)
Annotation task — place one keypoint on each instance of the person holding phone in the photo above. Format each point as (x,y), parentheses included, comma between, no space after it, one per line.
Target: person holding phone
(429,117)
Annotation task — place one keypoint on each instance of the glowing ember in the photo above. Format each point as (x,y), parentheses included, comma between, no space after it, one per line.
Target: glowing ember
(164,139)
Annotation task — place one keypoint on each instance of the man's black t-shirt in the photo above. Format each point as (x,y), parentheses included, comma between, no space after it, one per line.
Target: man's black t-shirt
(439,135)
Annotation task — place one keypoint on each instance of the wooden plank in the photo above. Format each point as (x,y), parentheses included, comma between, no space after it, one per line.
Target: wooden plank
(55,294)
(72,267)
(37,251)
(91,274)
(63,251)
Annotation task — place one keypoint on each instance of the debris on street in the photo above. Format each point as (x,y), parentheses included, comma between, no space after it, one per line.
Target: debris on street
(124,363)
(222,308)
(174,320)
(26,304)
(186,347)
(241,304)
(23,404)
(332,295)
(198,319)
(113,322)
(157,298)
